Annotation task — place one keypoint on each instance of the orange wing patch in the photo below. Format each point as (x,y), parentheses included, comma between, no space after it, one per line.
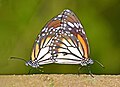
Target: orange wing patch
(32,55)
(42,41)
(54,24)
(73,18)
(36,50)
(84,45)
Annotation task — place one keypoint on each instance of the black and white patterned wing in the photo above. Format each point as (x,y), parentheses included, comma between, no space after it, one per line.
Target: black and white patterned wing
(70,45)
(40,51)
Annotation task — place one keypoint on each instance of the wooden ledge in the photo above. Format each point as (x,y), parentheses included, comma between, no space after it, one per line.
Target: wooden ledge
(59,80)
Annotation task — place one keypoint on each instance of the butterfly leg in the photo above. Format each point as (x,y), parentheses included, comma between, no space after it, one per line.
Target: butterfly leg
(40,69)
(29,70)
(79,69)
(88,67)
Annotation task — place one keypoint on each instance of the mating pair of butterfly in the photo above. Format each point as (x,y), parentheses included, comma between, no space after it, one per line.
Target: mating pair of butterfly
(62,41)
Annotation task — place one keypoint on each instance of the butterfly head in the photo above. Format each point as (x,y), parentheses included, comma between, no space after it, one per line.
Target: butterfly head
(33,64)
(86,62)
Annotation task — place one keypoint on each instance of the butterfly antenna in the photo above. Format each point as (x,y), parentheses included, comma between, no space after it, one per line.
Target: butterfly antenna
(99,63)
(89,70)
(18,58)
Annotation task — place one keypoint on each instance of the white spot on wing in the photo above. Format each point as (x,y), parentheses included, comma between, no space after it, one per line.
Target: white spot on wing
(43,29)
(70,24)
(80,25)
(70,29)
(57,28)
(53,29)
(67,10)
(83,31)
(51,32)
(71,34)
(55,18)
(50,29)
(65,25)
(76,25)
(37,41)
(59,15)
(43,34)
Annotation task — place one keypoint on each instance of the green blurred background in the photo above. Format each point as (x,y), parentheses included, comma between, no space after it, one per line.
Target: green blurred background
(22,20)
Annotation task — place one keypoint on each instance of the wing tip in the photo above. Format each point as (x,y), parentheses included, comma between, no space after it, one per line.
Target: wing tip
(67,10)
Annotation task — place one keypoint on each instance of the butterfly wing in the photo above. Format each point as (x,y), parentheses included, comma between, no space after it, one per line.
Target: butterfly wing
(70,45)
(62,40)
(75,27)
(65,49)
(40,51)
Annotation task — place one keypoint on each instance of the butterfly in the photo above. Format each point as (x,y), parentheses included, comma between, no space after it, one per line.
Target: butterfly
(70,44)
(62,41)
(41,53)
